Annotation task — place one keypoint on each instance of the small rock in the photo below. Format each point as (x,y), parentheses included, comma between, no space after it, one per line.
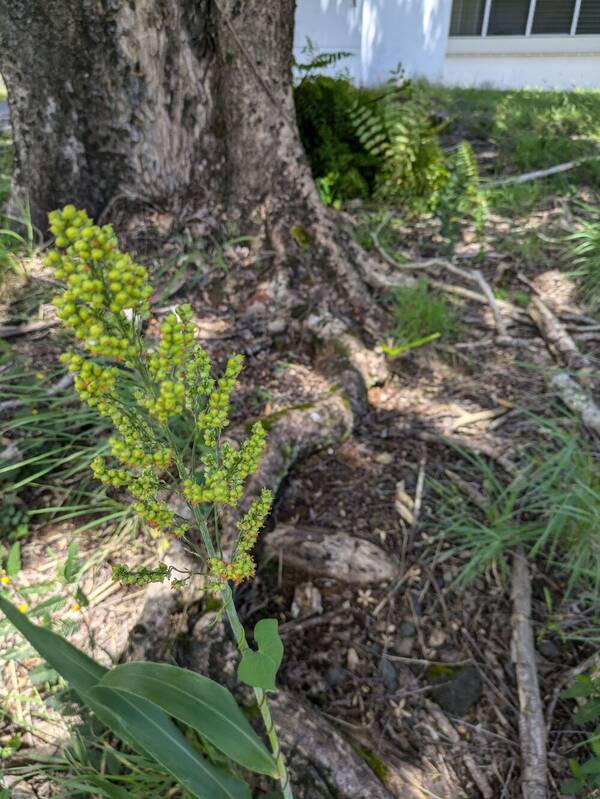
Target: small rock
(384,458)
(336,676)
(277,325)
(387,672)
(404,646)
(307,601)
(437,637)
(456,688)
(352,659)
(407,629)
(548,649)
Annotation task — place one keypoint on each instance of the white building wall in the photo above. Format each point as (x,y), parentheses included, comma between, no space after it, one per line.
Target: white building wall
(516,62)
(519,72)
(380,34)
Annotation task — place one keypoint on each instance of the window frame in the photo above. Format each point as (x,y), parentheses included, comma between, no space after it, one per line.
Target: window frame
(483,34)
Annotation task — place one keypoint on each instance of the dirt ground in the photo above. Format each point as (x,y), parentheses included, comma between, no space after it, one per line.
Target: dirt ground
(369,657)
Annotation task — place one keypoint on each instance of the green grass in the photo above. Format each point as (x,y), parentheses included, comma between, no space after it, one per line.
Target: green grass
(48,444)
(585,252)
(530,130)
(89,765)
(421,313)
(551,507)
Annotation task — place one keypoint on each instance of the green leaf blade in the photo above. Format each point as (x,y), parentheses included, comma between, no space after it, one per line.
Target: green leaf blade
(79,670)
(155,732)
(13,561)
(199,702)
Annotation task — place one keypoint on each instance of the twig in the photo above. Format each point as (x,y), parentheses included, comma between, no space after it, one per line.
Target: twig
(10,331)
(532,729)
(447,729)
(538,173)
(468,419)
(489,294)
(419,490)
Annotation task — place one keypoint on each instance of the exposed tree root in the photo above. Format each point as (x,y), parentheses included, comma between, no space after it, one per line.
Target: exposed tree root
(532,729)
(331,553)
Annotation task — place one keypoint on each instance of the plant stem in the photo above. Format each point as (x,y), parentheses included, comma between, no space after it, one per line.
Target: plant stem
(239,635)
(261,696)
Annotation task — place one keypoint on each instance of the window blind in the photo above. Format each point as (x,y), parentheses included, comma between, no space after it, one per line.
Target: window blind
(508,18)
(589,17)
(467,17)
(553,16)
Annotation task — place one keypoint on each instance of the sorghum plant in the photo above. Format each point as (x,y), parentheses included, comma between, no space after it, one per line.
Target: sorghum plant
(168,413)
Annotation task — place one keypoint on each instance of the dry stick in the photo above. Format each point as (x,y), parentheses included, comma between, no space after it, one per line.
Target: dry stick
(538,173)
(447,729)
(474,276)
(532,729)
(559,342)
(10,331)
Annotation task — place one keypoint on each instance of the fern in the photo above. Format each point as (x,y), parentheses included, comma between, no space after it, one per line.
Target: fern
(401,136)
(462,197)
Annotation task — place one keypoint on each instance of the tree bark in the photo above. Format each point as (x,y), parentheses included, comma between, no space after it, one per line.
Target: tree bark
(181,106)
(184,105)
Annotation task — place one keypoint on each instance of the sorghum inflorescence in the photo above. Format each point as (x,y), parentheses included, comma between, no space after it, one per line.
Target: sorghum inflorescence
(151,394)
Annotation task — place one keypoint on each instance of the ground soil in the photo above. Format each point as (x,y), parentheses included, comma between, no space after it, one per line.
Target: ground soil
(364,666)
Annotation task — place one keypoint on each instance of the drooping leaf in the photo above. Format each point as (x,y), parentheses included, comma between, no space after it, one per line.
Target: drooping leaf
(13,562)
(259,668)
(140,724)
(74,666)
(155,732)
(200,703)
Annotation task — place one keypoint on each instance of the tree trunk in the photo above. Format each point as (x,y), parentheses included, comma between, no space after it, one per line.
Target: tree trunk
(182,105)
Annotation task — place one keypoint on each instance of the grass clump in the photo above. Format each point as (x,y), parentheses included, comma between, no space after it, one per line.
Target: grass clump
(551,507)
(585,251)
(421,315)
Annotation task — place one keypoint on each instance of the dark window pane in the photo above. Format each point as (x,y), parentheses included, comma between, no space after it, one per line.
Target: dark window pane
(467,17)
(589,17)
(553,16)
(508,17)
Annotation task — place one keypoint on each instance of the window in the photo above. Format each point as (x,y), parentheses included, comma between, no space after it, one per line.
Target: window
(508,17)
(524,17)
(589,17)
(467,17)
(553,16)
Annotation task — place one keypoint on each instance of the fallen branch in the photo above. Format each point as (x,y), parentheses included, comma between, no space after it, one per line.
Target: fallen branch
(10,331)
(472,275)
(559,341)
(575,398)
(538,173)
(532,729)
